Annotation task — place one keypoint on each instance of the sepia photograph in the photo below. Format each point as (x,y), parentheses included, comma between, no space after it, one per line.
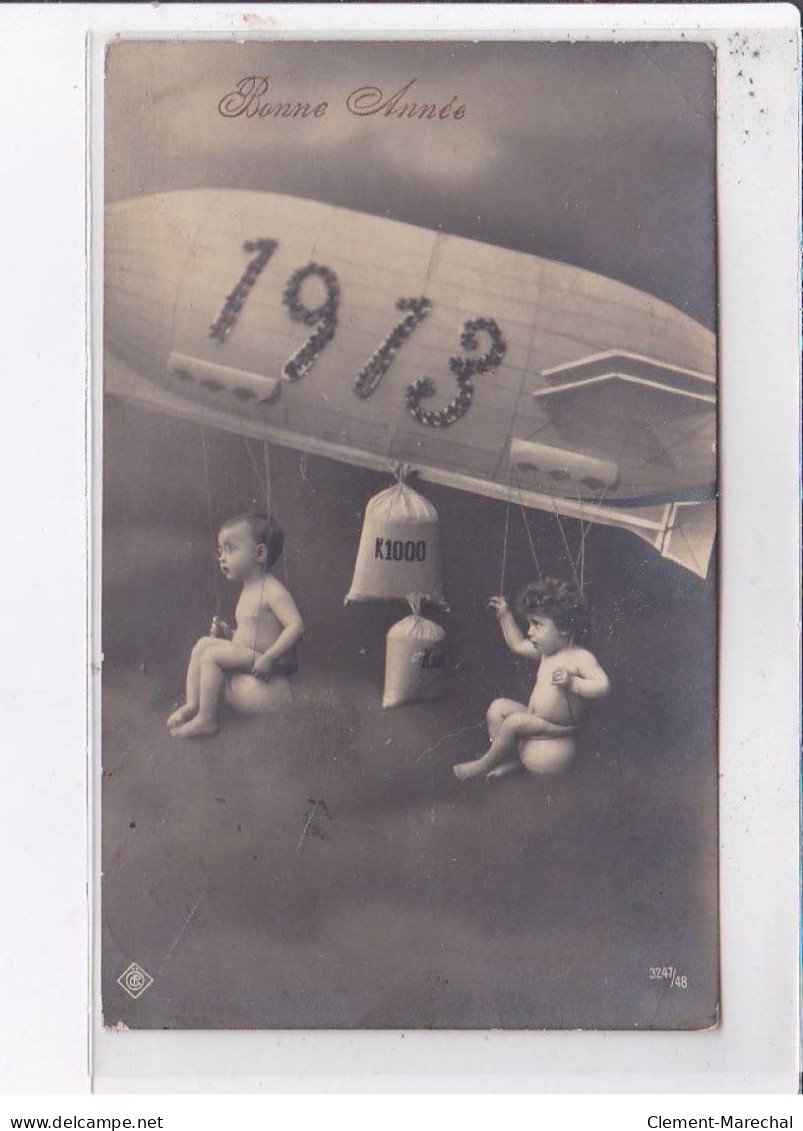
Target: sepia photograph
(409,536)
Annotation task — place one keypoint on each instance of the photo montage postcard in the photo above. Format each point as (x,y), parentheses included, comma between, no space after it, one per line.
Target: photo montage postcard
(408,543)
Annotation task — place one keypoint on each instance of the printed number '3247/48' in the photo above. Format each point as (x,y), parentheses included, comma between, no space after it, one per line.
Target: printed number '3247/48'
(324,318)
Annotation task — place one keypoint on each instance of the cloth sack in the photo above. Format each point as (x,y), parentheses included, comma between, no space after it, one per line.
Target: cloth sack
(399,551)
(415,660)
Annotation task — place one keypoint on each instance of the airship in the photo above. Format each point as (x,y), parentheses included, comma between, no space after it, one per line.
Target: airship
(376,342)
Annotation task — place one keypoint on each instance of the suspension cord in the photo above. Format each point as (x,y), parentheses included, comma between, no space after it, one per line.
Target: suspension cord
(210,517)
(527,528)
(566,545)
(507,530)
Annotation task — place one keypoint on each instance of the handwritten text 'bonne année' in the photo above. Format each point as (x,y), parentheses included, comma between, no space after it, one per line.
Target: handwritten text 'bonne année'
(252,98)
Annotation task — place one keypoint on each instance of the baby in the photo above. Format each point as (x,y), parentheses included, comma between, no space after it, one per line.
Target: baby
(268,625)
(568,675)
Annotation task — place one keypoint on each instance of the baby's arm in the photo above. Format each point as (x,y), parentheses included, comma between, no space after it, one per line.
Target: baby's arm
(278,600)
(514,638)
(588,681)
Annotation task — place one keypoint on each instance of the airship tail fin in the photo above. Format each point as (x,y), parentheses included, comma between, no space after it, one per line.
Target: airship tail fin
(690,534)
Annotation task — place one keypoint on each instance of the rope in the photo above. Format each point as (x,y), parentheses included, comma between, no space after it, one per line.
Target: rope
(527,528)
(507,529)
(259,614)
(272,508)
(578,582)
(254,464)
(572,716)
(268,484)
(402,471)
(566,544)
(266,487)
(416,603)
(585,529)
(210,516)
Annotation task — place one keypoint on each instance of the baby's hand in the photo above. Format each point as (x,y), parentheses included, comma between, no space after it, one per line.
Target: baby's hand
(263,668)
(498,606)
(220,629)
(562,678)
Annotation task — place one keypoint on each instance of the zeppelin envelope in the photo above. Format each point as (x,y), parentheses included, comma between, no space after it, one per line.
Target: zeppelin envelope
(429,325)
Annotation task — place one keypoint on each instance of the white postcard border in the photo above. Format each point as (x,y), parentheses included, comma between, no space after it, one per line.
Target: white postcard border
(755,1048)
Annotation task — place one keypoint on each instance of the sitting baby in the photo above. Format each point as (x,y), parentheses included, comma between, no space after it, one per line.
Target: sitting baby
(268,625)
(568,676)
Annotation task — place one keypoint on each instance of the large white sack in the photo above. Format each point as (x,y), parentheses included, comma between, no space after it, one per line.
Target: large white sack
(399,551)
(415,660)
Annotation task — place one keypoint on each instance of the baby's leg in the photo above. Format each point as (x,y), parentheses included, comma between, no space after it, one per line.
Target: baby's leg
(499,711)
(496,714)
(214,664)
(193,691)
(516,727)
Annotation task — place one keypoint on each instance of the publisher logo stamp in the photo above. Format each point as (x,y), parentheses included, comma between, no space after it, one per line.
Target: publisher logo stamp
(134,980)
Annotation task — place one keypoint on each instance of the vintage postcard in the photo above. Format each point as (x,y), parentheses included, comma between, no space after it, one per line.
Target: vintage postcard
(409,525)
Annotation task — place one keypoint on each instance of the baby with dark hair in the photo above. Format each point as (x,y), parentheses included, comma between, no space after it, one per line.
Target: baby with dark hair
(557,600)
(267,624)
(568,676)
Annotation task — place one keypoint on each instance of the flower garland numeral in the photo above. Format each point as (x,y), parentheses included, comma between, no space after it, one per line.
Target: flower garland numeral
(464,369)
(325,315)
(233,303)
(379,362)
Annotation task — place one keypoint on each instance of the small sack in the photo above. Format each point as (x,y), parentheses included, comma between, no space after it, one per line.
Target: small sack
(415,660)
(399,551)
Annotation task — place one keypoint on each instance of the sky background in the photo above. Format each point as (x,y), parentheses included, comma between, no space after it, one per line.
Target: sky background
(598,155)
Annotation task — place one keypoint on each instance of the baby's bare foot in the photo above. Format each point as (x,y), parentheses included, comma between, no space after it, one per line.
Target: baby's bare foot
(195,728)
(503,770)
(181,715)
(465,770)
